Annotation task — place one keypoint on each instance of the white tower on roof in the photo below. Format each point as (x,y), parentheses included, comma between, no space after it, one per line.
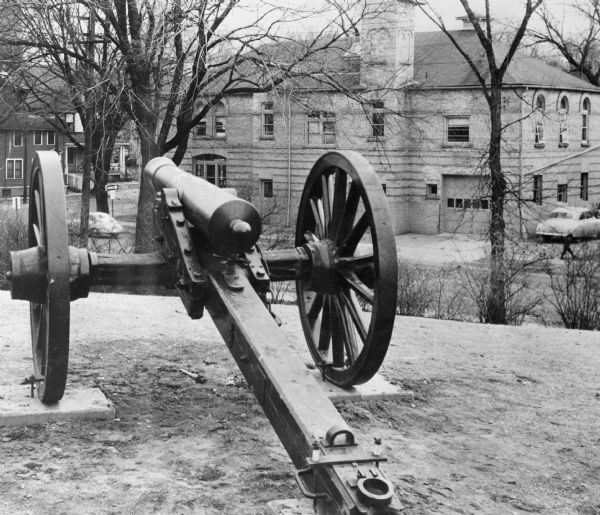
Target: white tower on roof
(387,44)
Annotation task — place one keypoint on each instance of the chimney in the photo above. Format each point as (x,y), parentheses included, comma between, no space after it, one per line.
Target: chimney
(387,43)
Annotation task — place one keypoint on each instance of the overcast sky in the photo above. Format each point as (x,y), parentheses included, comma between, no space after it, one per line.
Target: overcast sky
(503,10)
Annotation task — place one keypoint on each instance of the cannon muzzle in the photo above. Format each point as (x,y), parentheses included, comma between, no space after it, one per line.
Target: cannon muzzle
(229,223)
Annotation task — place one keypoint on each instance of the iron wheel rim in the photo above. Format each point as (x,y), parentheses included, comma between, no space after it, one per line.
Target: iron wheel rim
(50,319)
(348,349)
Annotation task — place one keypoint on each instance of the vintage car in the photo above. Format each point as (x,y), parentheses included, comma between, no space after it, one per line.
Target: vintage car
(102,225)
(578,223)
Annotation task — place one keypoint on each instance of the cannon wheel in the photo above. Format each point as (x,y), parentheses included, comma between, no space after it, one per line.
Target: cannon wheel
(50,318)
(348,310)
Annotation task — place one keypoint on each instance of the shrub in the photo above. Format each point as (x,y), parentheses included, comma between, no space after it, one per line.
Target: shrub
(576,290)
(415,291)
(13,236)
(521,295)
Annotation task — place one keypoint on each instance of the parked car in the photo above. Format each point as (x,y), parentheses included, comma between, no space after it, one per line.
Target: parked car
(102,225)
(577,222)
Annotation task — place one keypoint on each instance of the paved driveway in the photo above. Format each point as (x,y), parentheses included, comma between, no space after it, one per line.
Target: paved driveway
(436,249)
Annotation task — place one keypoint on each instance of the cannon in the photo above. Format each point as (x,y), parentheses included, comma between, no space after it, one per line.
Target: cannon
(208,249)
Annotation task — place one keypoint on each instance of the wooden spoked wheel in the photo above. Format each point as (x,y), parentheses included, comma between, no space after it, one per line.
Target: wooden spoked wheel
(347,301)
(50,316)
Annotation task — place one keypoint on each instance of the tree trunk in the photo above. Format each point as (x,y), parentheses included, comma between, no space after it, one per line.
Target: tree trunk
(496,301)
(144,234)
(85,186)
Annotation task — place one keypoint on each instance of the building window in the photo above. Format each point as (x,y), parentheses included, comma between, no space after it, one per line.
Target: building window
(320,128)
(201,128)
(50,138)
(70,122)
(267,120)
(583,192)
(267,188)
(563,130)
(457,129)
(37,137)
(561,193)
(212,168)
(540,110)
(220,131)
(18,139)
(537,189)
(468,203)
(71,156)
(431,191)
(585,121)
(377,120)
(14,168)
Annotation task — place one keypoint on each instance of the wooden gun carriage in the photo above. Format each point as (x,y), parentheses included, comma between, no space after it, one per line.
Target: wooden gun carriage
(344,266)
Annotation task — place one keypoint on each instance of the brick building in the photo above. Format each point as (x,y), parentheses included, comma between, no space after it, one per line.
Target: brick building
(417,113)
(21,135)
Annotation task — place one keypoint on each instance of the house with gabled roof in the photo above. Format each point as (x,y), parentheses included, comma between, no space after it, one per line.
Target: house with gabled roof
(412,106)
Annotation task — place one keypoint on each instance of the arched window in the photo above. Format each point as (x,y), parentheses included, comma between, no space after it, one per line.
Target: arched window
(540,103)
(585,122)
(540,108)
(563,130)
(211,168)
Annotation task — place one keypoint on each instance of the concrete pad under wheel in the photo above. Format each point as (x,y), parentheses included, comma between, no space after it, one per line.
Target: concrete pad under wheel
(291,507)
(376,389)
(18,408)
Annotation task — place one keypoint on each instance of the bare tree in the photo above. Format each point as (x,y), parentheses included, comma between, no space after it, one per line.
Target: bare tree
(490,69)
(182,58)
(68,65)
(579,47)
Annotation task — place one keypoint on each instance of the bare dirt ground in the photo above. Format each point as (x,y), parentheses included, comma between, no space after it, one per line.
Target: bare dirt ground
(505,420)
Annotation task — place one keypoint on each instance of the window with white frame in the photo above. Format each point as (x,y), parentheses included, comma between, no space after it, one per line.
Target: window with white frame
(18,139)
(561,193)
(321,126)
(38,137)
(70,121)
(50,138)
(563,129)
(213,124)
(431,191)
(14,168)
(457,129)
(377,119)
(220,131)
(585,121)
(268,124)
(540,110)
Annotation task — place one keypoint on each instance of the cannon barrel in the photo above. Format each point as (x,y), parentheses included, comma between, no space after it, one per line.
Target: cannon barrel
(229,223)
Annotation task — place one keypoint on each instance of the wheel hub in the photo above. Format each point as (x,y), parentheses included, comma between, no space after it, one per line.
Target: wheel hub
(324,277)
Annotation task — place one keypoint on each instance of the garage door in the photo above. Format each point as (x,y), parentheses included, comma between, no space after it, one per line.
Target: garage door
(465,205)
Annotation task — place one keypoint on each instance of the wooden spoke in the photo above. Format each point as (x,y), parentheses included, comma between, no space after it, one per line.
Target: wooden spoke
(314,305)
(350,303)
(317,211)
(326,201)
(356,262)
(358,231)
(350,210)
(358,286)
(339,203)
(37,233)
(345,332)
(325,332)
